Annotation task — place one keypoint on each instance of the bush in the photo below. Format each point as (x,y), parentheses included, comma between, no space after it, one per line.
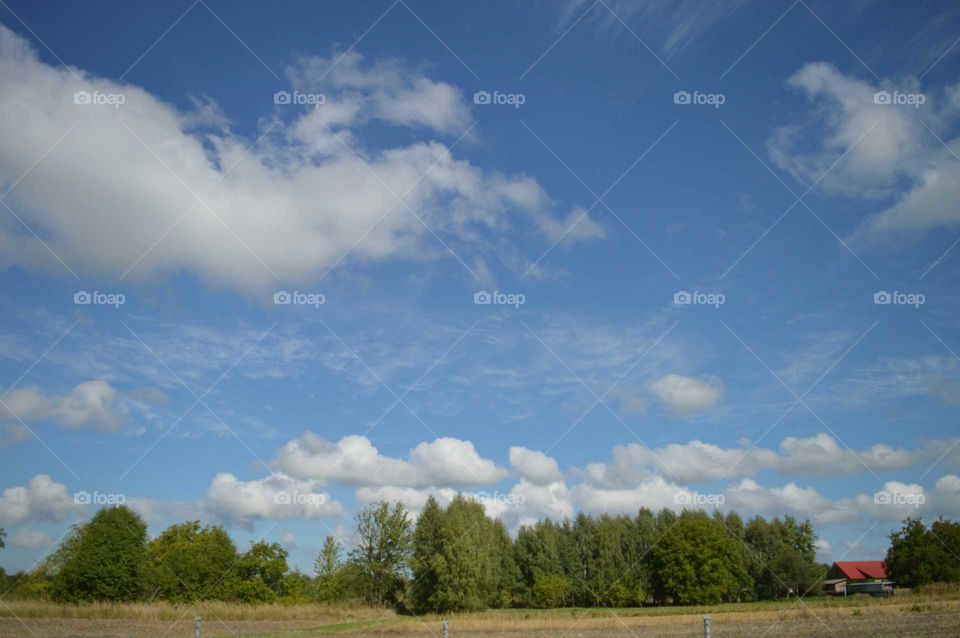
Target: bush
(550,591)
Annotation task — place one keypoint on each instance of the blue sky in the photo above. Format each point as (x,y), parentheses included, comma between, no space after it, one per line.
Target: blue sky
(687,222)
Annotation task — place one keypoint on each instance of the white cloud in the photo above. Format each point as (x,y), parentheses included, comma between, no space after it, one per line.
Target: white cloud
(748,495)
(525,502)
(292,204)
(897,150)
(385,90)
(26,538)
(631,403)
(412,498)
(696,461)
(353,460)
(89,405)
(824,549)
(13,433)
(655,493)
(945,498)
(42,499)
(686,396)
(535,466)
(273,497)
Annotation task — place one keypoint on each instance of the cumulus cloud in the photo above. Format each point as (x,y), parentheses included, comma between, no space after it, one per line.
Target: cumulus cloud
(686,396)
(413,499)
(276,497)
(696,461)
(26,538)
(117,180)
(523,503)
(898,158)
(353,460)
(654,493)
(535,466)
(41,499)
(89,405)
(748,495)
(824,549)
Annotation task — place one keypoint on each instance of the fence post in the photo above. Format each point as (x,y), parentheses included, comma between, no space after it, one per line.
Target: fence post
(196,626)
(445,632)
(706,626)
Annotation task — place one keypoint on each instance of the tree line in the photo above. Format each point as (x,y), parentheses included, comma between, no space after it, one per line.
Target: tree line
(451,558)
(456,558)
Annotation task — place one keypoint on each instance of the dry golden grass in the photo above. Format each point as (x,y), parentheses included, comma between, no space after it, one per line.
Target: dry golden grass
(932,613)
(215,609)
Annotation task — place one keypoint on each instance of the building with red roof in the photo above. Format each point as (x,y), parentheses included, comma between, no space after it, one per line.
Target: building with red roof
(858,576)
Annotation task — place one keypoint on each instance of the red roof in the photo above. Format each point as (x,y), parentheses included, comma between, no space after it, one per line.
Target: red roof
(863,569)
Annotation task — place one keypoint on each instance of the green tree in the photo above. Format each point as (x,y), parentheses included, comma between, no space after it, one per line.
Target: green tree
(697,562)
(508,587)
(458,559)
(103,559)
(468,551)
(327,567)
(920,556)
(382,550)
(188,562)
(537,551)
(297,587)
(258,575)
(427,561)
(3,535)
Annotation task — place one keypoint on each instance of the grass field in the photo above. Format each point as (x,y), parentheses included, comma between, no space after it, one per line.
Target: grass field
(934,614)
